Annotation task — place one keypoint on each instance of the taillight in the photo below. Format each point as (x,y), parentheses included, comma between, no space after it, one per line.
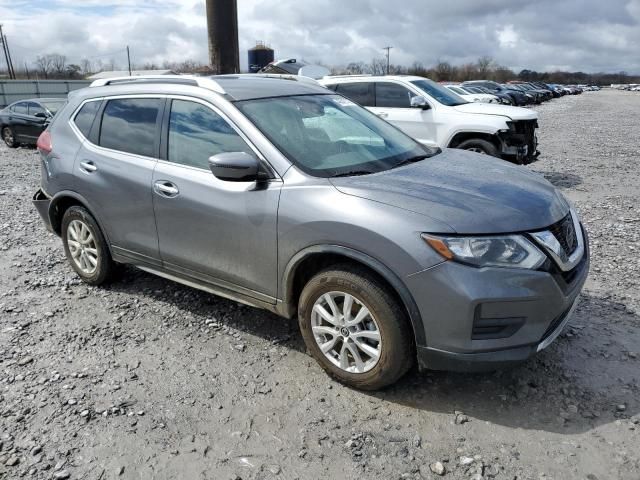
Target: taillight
(44,143)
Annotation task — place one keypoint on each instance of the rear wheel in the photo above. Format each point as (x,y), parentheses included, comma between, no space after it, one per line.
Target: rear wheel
(85,246)
(479,145)
(9,137)
(355,328)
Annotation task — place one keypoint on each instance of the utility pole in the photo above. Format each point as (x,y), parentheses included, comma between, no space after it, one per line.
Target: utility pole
(129,60)
(388,49)
(6,44)
(7,58)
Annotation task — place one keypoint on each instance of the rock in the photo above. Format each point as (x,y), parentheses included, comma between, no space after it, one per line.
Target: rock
(120,470)
(621,408)
(274,469)
(61,475)
(25,361)
(36,450)
(465,461)
(72,401)
(12,461)
(437,468)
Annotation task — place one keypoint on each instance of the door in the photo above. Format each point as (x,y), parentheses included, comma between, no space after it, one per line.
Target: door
(393,104)
(115,175)
(34,125)
(18,119)
(217,231)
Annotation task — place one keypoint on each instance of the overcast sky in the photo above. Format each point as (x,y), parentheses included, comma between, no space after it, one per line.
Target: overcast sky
(588,35)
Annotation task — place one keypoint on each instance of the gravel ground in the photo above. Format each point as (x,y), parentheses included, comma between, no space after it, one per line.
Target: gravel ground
(149,379)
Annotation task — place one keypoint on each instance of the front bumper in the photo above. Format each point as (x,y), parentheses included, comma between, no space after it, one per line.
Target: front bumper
(42,203)
(482,319)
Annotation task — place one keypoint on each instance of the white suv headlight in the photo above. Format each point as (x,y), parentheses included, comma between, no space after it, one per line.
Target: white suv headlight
(513,251)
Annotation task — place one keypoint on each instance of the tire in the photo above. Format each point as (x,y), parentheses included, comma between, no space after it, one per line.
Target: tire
(9,137)
(87,251)
(481,146)
(387,319)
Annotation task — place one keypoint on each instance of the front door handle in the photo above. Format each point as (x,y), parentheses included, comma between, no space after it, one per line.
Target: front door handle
(88,167)
(383,114)
(166,189)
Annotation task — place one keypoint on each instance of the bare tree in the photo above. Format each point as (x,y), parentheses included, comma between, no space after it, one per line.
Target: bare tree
(86,66)
(44,63)
(378,66)
(485,65)
(444,71)
(58,63)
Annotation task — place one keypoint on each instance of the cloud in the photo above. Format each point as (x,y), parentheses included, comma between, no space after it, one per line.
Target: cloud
(588,35)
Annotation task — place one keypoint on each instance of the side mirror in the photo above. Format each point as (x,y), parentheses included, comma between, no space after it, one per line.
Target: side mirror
(41,115)
(236,167)
(420,102)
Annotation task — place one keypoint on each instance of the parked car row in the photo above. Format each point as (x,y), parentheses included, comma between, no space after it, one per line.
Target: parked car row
(287,196)
(24,121)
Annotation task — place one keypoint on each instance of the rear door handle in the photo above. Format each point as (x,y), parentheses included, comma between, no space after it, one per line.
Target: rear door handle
(166,189)
(88,167)
(383,114)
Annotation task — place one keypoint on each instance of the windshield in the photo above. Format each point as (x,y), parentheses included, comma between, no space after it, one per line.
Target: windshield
(329,135)
(53,107)
(439,93)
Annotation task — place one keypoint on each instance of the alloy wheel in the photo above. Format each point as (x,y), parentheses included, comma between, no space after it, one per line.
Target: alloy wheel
(82,246)
(7,136)
(346,332)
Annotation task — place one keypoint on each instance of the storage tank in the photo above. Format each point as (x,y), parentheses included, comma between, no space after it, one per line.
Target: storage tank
(259,57)
(222,26)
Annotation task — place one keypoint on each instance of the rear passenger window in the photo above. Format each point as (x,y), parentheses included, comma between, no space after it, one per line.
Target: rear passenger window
(21,108)
(358,92)
(196,133)
(84,118)
(391,95)
(129,125)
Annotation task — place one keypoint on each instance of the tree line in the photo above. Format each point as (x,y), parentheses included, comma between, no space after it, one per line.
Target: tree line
(57,66)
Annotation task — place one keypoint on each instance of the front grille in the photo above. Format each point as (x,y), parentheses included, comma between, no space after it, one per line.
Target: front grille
(566,234)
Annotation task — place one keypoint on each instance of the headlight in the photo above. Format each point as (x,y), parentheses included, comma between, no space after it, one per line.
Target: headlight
(513,251)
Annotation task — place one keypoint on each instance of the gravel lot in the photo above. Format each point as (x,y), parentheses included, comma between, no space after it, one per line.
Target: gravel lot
(148,379)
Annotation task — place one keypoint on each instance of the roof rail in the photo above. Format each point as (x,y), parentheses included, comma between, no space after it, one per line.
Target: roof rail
(203,82)
(354,75)
(283,76)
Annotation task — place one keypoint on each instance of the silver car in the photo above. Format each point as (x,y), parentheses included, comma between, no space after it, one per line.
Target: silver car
(280,194)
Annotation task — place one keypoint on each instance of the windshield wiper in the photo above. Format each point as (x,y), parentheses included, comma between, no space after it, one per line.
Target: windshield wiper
(415,159)
(352,173)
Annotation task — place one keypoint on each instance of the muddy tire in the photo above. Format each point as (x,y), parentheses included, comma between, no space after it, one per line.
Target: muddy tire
(481,146)
(9,137)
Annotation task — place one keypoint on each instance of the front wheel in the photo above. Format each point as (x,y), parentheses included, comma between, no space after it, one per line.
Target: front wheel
(356,330)
(481,146)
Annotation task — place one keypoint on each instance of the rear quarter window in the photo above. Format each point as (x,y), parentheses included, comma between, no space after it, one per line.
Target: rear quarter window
(85,117)
(359,92)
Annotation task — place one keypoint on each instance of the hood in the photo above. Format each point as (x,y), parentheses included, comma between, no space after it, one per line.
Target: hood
(472,193)
(514,113)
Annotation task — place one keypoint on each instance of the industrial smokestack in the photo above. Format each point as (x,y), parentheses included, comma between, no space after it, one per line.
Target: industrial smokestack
(222,24)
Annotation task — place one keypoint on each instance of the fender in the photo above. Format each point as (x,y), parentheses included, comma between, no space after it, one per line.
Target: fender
(76,196)
(377,266)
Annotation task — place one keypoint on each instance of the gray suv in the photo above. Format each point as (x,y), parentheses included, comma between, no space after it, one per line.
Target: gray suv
(280,194)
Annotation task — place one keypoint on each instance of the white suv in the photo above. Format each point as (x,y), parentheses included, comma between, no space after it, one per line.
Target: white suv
(436,116)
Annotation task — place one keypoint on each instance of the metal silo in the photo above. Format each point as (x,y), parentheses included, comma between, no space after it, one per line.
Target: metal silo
(222,25)
(259,56)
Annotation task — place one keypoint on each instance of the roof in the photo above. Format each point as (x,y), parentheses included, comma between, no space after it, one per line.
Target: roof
(125,73)
(234,87)
(369,78)
(247,87)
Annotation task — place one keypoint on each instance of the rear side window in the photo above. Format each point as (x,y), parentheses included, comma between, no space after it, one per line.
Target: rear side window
(196,133)
(84,118)
(129,125)
(359,92)
(392,95)
(21,108)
